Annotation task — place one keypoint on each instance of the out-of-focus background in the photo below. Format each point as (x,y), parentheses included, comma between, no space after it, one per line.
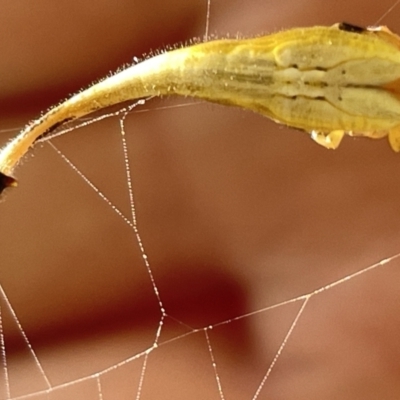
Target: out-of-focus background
(236,214)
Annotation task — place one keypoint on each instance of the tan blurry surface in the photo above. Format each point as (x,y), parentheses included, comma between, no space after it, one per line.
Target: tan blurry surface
(236,214)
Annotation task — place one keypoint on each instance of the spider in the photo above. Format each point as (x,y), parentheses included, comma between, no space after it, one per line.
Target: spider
(328,81)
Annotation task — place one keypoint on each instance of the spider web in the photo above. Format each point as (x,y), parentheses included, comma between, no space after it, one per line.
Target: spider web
(194,255)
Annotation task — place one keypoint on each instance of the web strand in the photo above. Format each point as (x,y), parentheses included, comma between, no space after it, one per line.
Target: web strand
(386,13)
(214,364)
(281,347)
(208,15)
(133,209)
(99,388)
(4,357)
(25,337)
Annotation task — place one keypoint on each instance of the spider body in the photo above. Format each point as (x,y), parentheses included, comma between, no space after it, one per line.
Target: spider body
(327,81)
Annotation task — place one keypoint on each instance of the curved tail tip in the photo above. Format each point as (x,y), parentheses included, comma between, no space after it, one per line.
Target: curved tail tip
(6,181)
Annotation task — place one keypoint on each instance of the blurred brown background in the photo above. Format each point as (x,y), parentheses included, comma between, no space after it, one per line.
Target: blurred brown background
(236,214)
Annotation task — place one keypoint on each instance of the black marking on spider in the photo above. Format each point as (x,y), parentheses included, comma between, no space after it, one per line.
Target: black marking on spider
(344,26)
(6,181)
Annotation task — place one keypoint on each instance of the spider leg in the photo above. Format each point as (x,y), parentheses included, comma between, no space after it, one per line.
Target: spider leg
(394,139)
